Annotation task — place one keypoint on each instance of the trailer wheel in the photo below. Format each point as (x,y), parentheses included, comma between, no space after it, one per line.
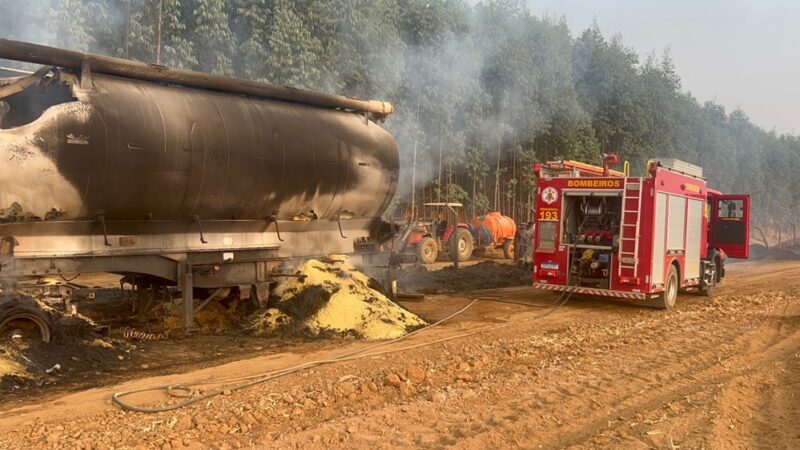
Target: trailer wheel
(19,312)
(509,249)
(427,250)
(465,245)
(666,300)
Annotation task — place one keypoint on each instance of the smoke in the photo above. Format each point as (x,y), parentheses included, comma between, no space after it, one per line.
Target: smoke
(469,80)
(479,84)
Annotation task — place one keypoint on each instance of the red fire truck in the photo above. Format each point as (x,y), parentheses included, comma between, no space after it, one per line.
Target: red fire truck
(602,232)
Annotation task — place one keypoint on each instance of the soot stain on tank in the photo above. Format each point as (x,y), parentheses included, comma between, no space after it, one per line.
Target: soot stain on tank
(171,173)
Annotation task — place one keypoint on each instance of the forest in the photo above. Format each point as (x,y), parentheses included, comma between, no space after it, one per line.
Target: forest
(482,89)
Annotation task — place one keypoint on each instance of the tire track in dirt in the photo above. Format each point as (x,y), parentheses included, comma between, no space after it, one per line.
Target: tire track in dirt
(706,358)
(595,374)
(639,396)
(724,380)
(757,405)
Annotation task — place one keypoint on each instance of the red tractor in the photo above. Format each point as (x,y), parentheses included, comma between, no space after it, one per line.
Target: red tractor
(429,238)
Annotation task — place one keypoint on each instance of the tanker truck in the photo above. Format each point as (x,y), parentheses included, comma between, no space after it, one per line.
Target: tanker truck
(178,179)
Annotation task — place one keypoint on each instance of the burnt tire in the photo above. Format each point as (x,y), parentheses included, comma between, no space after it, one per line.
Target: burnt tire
(427,250)
(18,308)
(464,244)
(667,298)
(509,249)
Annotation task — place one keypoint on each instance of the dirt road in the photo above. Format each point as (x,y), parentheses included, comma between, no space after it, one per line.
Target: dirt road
(593,374)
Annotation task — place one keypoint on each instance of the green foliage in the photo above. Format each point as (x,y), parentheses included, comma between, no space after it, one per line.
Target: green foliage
(468,80)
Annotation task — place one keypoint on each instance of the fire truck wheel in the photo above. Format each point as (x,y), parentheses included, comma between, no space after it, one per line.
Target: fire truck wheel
(666,300)
(464,243)
(427,250)
(708,287)
(508,249)
(708,291)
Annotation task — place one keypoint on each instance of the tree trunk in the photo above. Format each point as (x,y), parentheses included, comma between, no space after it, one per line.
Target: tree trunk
(439,197)
(414,181)
(158,35)
(474,181)
(763,238)
(126,38)
(514,205)
(497,179)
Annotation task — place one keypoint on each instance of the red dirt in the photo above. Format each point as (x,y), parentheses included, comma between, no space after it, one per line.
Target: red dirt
(595,374)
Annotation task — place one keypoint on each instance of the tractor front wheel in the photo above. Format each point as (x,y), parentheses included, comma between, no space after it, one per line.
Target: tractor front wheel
(427,250)
(464,244)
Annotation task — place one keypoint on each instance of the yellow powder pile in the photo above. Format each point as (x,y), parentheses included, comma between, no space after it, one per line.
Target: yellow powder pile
(335,297)
(10,367)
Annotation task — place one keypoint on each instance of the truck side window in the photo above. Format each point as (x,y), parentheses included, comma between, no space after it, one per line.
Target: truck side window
(731,209)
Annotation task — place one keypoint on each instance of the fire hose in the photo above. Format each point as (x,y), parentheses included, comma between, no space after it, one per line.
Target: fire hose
(184,390)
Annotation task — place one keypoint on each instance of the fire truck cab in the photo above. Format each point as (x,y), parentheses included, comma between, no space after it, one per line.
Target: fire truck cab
(602,232)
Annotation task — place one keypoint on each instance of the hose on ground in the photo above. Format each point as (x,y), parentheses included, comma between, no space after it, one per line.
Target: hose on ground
(184,390)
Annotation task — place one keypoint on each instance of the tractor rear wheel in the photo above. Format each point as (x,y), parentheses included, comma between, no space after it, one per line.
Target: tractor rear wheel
(464,244)
(427,250)
(509,250)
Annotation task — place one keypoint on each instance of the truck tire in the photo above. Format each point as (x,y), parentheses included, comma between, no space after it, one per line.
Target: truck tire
(509,249)
(707,288)
(19,308)
(464,244)
(666,300)
(427,250)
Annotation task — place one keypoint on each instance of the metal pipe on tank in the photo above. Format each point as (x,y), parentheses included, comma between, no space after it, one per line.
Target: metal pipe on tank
(41,54)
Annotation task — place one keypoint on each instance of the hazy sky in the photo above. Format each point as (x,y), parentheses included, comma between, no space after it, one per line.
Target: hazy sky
(740,53)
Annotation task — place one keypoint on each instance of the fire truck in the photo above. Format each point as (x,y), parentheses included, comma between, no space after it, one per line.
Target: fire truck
(602,232)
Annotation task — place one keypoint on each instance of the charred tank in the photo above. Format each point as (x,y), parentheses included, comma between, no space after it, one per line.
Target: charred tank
(105,157)
(134,150)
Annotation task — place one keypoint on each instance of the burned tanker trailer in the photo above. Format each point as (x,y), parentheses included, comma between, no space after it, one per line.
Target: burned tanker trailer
(181,180)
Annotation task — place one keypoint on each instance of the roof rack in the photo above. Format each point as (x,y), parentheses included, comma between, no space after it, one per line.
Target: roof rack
(676,165)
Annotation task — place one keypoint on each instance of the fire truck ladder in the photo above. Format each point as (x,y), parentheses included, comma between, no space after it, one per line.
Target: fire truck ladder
(629,230)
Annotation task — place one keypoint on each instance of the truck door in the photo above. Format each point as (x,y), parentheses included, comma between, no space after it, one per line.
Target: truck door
(730,224)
